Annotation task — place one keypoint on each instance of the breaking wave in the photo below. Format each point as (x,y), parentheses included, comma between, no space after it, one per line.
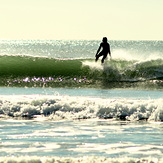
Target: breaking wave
(32,70)
(75,108)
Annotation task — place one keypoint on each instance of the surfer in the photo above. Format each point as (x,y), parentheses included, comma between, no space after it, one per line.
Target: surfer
(106,49)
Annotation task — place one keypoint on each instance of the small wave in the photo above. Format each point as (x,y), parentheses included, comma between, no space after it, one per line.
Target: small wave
(39,159)
(74,108)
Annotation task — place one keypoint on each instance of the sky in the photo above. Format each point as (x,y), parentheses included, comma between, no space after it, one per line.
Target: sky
(81,19)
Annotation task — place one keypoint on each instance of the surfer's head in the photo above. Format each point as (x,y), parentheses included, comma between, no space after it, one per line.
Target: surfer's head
(104,39)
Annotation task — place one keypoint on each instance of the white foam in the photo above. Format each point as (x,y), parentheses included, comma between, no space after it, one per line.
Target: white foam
(67,107)
(93,65)
(38,159)
(120,148)
(157,115)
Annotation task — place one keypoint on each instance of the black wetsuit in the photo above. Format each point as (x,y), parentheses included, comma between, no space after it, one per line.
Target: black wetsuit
(104,52)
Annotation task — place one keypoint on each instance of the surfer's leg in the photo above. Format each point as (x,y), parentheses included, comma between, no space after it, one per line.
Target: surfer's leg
(104,57)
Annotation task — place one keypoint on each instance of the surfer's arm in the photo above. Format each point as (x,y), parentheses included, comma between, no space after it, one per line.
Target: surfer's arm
(98,49)
(109,51)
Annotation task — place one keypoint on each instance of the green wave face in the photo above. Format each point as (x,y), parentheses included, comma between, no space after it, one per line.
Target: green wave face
(34,66)
(23,70)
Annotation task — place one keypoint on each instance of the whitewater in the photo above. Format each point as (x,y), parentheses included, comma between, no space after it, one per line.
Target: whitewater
(58,105)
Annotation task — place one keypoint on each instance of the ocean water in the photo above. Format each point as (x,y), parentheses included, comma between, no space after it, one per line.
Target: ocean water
(58,105)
